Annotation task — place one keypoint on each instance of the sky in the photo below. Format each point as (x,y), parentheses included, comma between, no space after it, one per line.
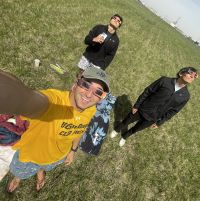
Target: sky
(185,12)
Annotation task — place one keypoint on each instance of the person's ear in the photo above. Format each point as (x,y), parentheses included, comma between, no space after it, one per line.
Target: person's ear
(104,96)
(180,74)
(74,86)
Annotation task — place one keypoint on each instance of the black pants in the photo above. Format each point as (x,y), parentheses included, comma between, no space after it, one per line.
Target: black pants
(141,124)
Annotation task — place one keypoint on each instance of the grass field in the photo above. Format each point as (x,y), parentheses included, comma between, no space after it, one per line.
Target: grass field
(162,164)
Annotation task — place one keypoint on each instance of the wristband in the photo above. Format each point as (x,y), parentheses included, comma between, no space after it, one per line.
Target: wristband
(74,150)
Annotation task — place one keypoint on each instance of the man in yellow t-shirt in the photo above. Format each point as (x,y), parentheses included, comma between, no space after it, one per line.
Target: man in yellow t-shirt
(57,121)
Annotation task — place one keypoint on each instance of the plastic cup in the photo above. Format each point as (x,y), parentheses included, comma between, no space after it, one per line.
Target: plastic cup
(37,63)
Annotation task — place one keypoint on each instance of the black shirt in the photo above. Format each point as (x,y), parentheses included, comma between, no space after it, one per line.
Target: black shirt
(101,54)
(159,101)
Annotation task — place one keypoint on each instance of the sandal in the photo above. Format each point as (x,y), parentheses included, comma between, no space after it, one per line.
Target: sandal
(13,184)
(40,180)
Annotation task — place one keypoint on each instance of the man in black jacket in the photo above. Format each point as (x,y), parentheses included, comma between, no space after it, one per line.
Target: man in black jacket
(102,43)
(160,101)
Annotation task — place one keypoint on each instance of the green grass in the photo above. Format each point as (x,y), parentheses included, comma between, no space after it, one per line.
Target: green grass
(162,164)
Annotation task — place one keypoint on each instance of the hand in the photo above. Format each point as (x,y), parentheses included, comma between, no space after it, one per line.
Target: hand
(70,158)
(154,126)
(98,39)
(134,110)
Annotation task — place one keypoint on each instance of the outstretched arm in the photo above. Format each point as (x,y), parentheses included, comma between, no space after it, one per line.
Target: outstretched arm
(110,56)
(16,98)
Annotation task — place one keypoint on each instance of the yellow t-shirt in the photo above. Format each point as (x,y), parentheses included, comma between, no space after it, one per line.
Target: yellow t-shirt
(49,138)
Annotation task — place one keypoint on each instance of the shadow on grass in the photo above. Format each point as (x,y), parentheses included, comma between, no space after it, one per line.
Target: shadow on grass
(122,108)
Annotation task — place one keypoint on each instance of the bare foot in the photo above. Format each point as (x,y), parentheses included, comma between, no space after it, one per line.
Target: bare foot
(40,180)
(13,184)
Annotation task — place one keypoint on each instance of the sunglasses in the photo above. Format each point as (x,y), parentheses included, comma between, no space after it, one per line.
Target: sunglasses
(117,19)
(88,86)
(194,74)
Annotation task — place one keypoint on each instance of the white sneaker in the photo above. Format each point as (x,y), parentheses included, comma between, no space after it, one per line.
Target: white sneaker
(113,134)
(122,142)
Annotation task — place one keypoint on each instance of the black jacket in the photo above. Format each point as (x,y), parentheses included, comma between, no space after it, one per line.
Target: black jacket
(101,54)
(159,101)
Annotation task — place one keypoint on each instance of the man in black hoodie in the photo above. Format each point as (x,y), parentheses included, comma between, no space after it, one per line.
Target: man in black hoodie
(102,43)
(160,101)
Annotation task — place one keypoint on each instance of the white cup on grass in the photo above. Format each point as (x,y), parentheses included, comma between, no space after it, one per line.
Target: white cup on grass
(37,63)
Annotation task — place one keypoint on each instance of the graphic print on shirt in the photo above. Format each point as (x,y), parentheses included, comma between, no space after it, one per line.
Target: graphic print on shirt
(71,129)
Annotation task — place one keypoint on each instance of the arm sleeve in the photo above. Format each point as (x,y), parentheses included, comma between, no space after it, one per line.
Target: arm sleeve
(109,57)
(170,113)
(93,33)
(148,91)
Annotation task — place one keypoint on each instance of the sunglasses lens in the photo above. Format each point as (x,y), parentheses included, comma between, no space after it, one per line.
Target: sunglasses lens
(99,92)
(118,20)
(83,84)
(194,74)
(88,86)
